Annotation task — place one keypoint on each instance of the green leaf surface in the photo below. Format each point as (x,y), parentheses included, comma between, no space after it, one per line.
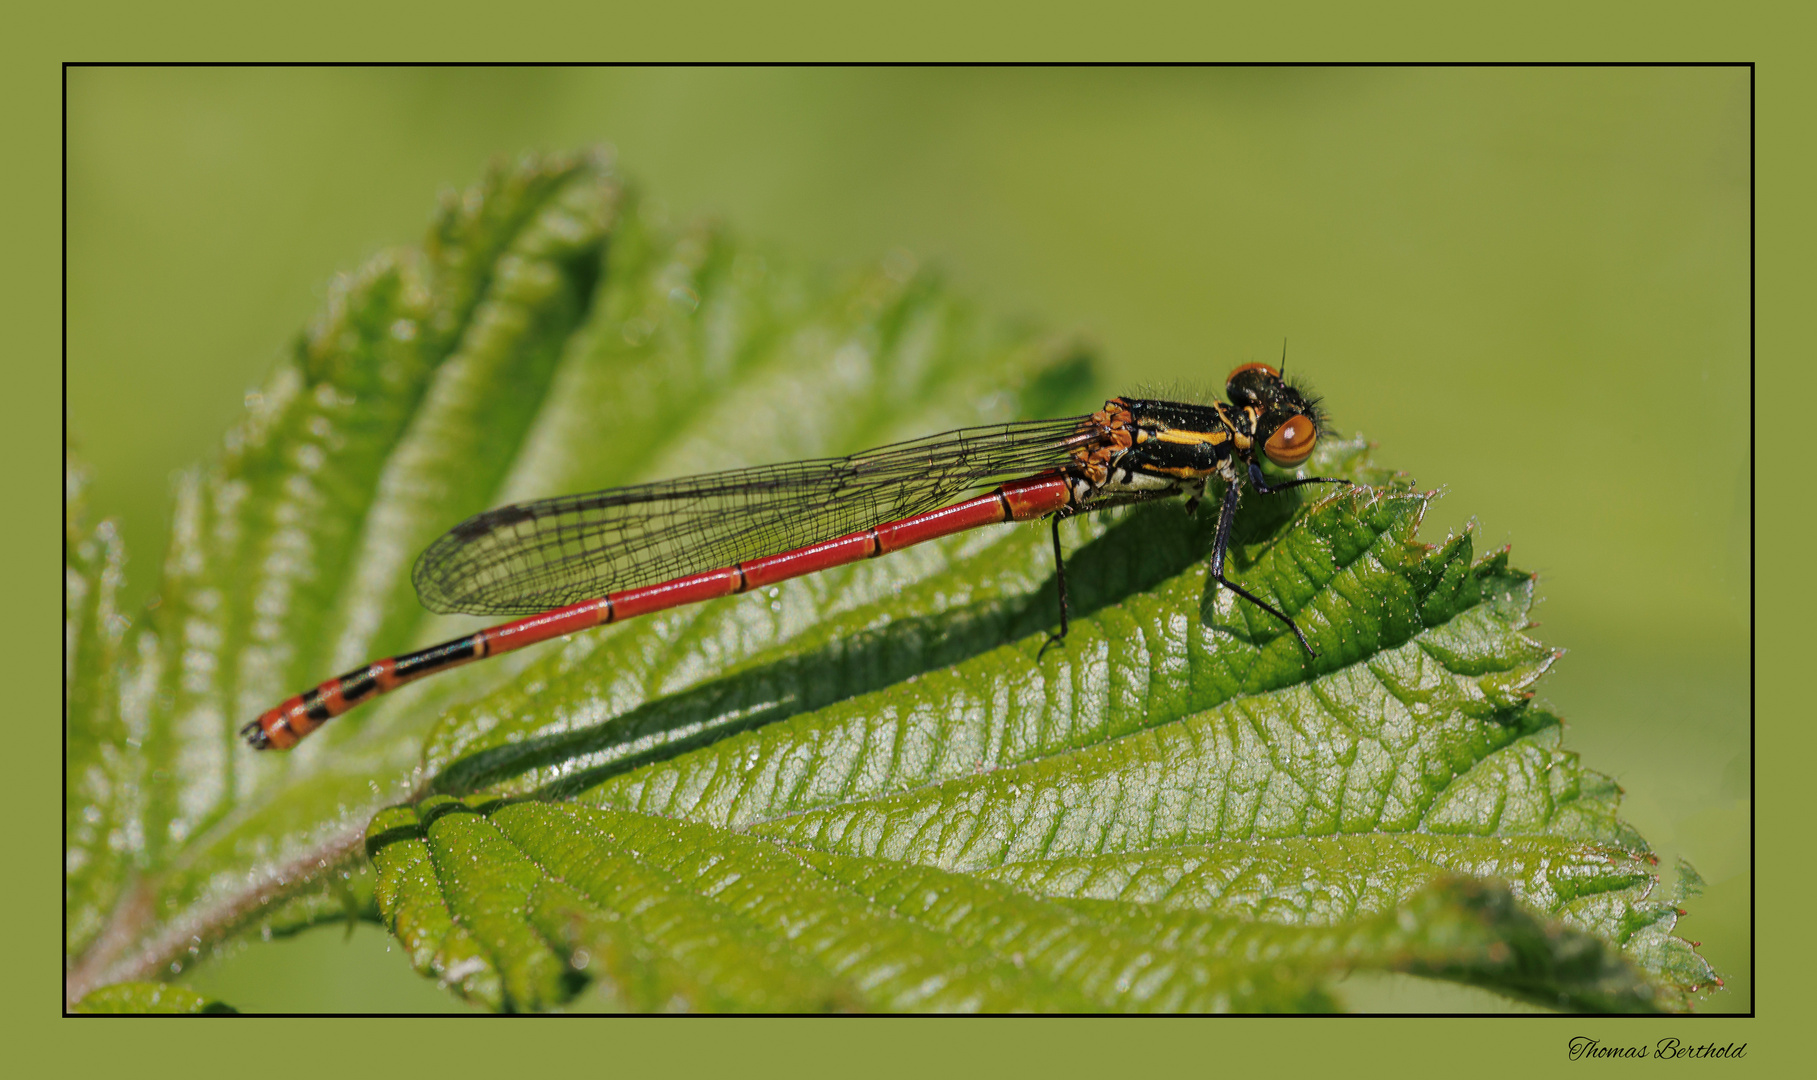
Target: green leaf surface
(101,771)
(144,998)
(863,790)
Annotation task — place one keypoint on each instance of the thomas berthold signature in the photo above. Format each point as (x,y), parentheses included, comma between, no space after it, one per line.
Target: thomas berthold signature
(1583,1048)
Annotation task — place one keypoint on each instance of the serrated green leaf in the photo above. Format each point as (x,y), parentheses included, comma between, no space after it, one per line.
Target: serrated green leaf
(862,790)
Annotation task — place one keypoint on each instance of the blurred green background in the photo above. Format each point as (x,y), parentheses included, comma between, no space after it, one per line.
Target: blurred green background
(1530,287)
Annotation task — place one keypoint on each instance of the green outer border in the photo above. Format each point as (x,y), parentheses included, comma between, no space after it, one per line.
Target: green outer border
(970,30)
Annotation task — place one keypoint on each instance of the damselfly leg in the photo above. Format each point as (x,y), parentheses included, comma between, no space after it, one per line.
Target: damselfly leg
(1227,515)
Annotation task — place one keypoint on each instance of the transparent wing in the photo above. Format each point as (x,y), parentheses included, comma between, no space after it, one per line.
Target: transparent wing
(533,556)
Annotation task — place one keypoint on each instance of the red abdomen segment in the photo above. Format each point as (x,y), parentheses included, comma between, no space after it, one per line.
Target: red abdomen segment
(1021,500)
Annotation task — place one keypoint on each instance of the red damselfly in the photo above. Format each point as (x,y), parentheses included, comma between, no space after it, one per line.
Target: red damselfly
(580,561)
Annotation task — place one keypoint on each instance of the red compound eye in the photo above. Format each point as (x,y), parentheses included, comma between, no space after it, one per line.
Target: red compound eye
(1251,383)
(1292,442)
(1266,369)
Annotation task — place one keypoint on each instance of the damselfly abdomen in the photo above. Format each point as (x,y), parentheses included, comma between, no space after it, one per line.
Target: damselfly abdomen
(579,561)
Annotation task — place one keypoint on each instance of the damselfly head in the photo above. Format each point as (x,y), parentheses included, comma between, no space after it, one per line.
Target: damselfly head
(1289,421)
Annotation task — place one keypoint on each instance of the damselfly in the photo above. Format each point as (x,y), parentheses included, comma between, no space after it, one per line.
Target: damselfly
(579,561)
